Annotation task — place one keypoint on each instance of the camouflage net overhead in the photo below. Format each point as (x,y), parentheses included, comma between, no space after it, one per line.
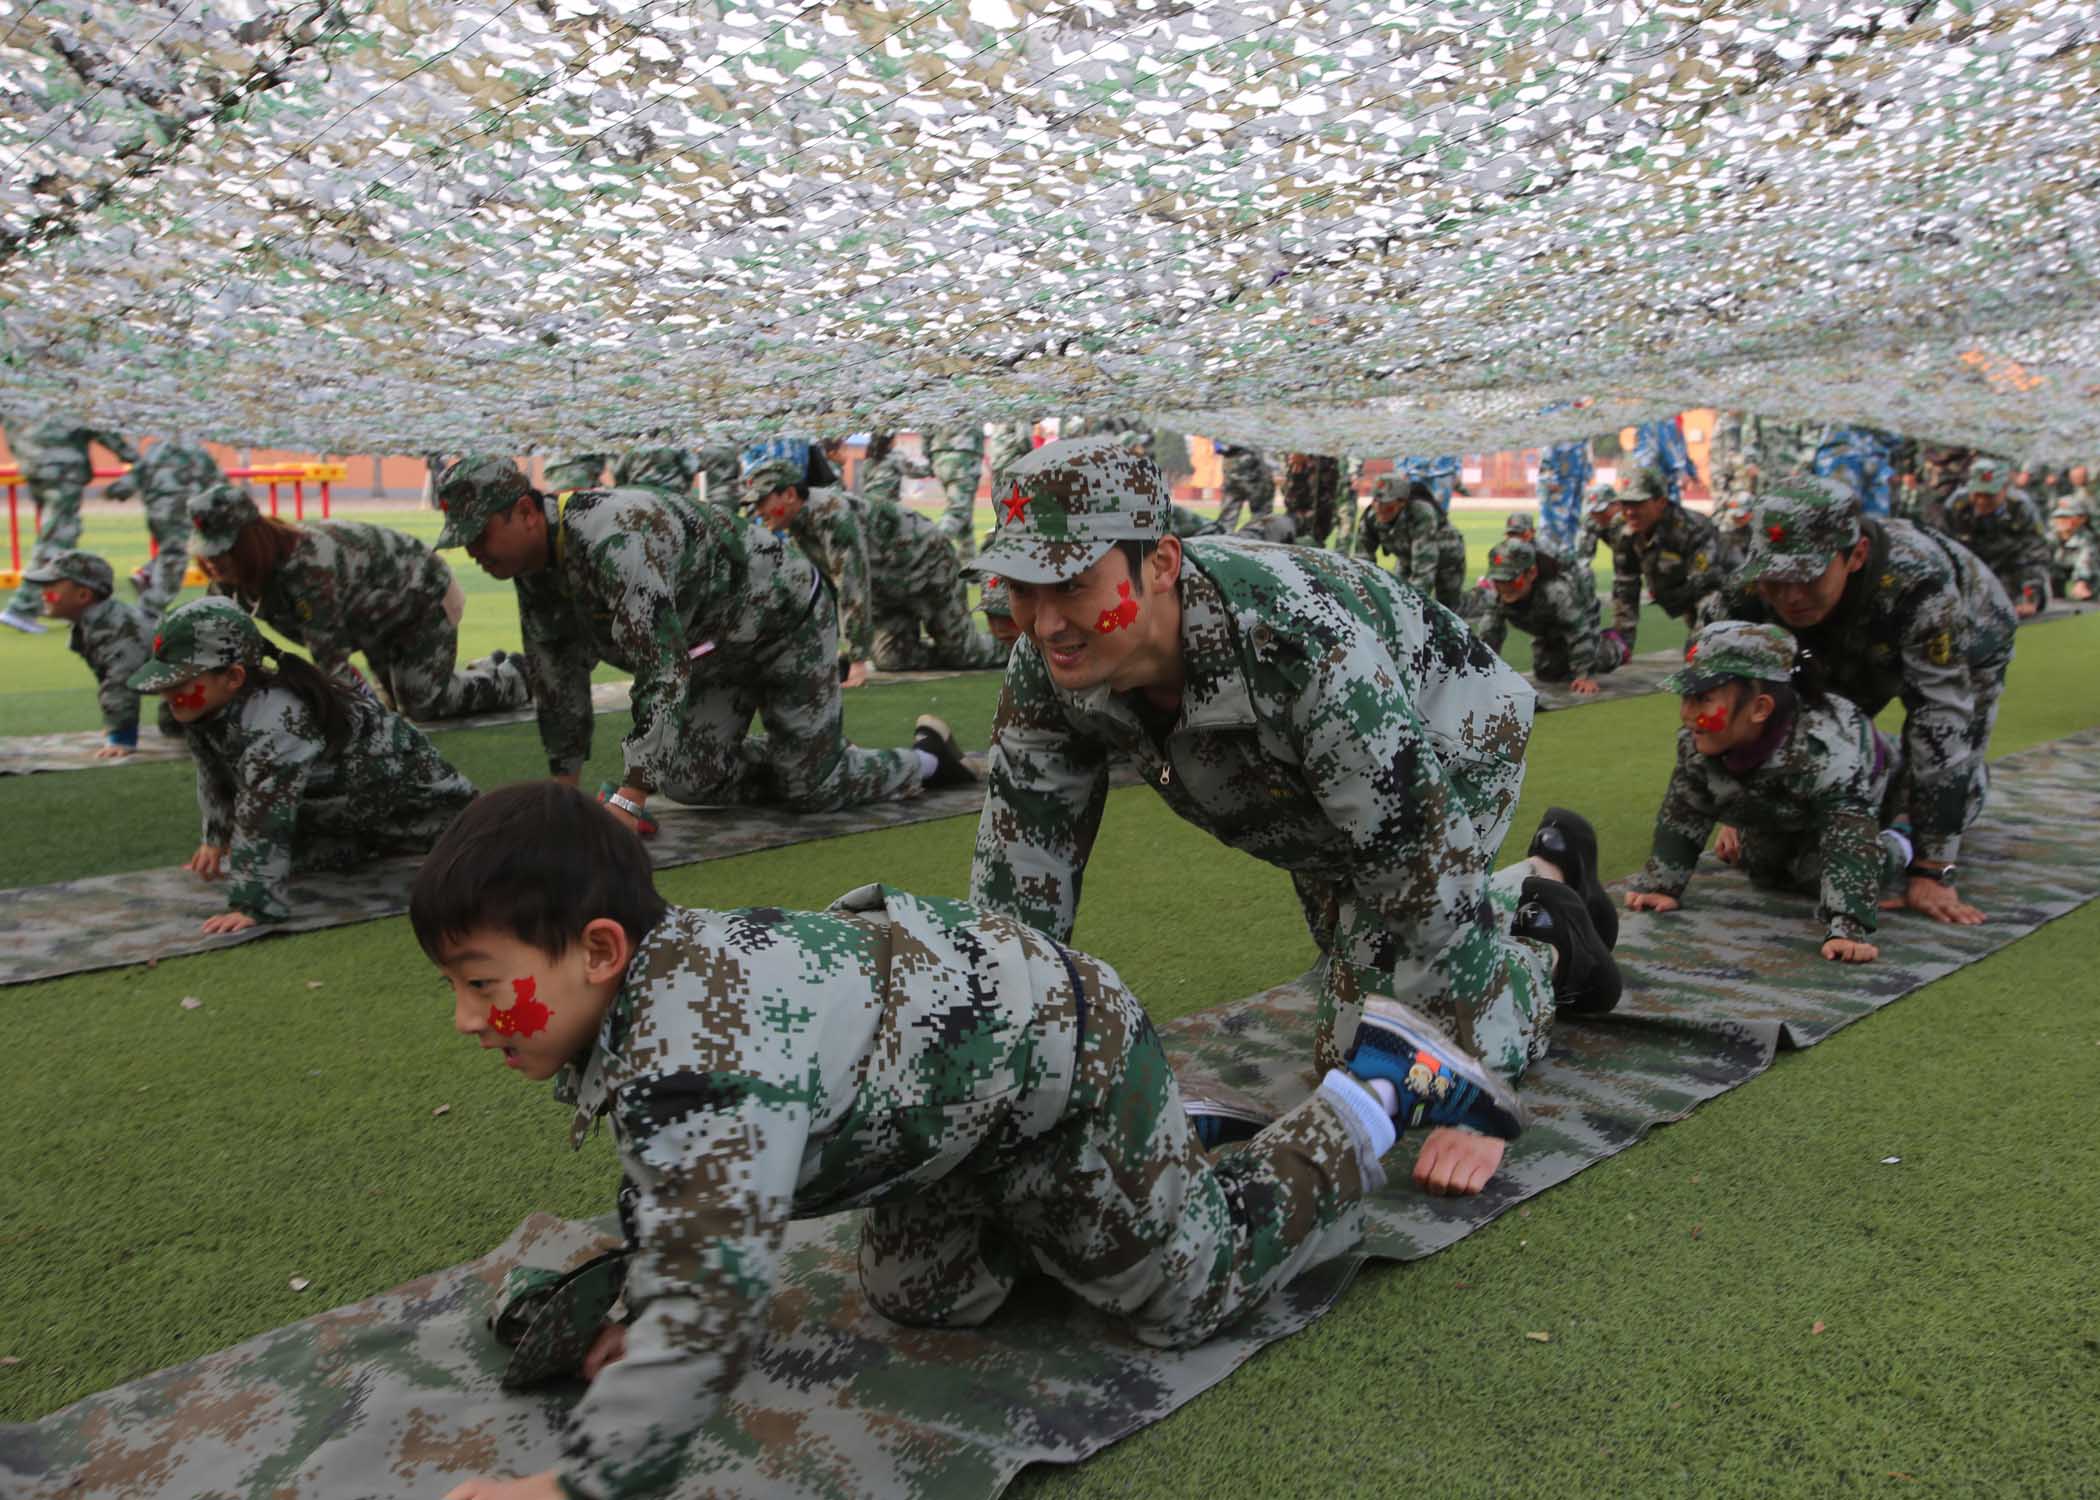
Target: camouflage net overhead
(1412,227)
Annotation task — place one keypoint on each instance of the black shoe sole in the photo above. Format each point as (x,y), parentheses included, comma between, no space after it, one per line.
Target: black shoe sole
(1567,840)
(1587,980)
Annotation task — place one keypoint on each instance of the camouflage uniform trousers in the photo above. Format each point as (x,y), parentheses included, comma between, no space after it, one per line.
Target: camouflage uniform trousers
(161,577)
(1989,687)
(803,761)
(934,634)
(56,493)
(416,672)
(957,469)
(1121,1203)
(1248,487)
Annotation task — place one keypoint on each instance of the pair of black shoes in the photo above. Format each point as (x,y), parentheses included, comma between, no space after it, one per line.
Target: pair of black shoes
(933,735)
(1576,919)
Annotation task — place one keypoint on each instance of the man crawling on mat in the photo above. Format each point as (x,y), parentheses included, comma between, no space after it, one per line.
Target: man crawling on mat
(1799,775)
(997,1102)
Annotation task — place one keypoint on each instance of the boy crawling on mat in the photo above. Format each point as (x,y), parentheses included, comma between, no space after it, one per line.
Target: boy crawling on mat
(997,1102)
(1798,776)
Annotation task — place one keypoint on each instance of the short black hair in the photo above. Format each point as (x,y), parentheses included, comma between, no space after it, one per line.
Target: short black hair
(538,860)
(1135,552)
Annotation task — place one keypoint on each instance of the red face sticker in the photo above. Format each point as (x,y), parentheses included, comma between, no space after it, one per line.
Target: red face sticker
(1776,533)
(1691,652)
(51,598)
(156,645)
(526,1016)
(189,698)
(1015,503)
(1122,617)
(1711,723)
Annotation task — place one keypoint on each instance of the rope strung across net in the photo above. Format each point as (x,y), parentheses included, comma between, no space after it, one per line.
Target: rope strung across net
(407,226)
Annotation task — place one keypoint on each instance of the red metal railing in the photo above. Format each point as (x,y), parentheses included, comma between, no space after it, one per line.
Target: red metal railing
(298,476)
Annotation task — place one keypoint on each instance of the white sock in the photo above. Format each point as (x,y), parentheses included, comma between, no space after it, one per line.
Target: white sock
(928,763)
(1369,1124)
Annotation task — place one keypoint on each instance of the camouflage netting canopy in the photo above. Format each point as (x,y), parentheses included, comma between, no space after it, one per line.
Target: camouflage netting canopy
(401,225)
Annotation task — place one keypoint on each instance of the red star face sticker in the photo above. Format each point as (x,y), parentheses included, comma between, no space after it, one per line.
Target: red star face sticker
(1691,652)
(1776,533)
(156,645)
(1015,504)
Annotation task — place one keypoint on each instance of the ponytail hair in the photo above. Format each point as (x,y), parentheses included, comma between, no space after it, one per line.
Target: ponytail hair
(332,701)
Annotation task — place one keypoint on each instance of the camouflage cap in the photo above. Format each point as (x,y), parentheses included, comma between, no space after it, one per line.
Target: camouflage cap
(993,601)
(1512,558)
(2069,505)
(198,637)
(1648,483)
(1802,523)
(769,474)
(83,568)
(1068,503)
(1519,520)
(218,515)
(1602,499)
(1989,474)
(550,1319)
(1733,648)
(474,490)
(1390,489)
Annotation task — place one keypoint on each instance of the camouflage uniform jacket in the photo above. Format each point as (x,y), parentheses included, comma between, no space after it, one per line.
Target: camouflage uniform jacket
(1184,523)
(1923,619)
(165,479)
(347,583)
(760,1066)
(877,556)
(577,471)
(1303,738)
(722,467)
(643,580)
(2009,540)
(1421,541)
(1823,773)
(1559,614)
(57,451)
(670,469)
(1677,560)
(114,639)
(883,480)
(1591,534)
(1247,474)
(271,791)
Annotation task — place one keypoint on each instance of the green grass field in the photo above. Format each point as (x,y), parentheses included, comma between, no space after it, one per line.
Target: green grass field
(167,1171)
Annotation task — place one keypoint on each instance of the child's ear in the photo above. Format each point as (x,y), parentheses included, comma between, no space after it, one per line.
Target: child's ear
(236,677)
(1761,707)
(606,950)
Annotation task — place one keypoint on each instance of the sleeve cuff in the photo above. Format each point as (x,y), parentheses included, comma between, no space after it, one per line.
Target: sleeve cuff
(127,737)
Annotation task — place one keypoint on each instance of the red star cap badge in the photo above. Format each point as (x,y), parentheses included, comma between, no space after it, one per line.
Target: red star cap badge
(156,645)
(1016,503)
(1776,533)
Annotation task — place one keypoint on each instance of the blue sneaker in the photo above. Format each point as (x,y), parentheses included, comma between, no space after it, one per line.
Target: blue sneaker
(1438,1084)
(1221,1122)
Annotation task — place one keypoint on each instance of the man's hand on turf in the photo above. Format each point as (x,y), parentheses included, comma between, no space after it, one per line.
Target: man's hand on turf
(1937,901)
(1650,901)
(112,752)
(228,921)
(1583,687)
(208,862)
(1455,1162)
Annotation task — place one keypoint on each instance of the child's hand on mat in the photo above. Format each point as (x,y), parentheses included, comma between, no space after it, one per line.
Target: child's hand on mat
(545,1486)
(228,921)
(1455,1162)
(207,860)
(1650,901)
(1850,951)
(1938,902)
(608,1348)
(112,752)
(1728,845)
(1583,687)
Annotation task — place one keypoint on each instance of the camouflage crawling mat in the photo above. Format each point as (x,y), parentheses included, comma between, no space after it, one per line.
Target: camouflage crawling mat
(22,754)
(400,1394)
(108,921)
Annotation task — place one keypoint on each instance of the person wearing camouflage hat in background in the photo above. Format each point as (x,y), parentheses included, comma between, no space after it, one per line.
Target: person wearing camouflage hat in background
(338,587)
(2000,525)
(1554,603)
(1310,483)
(957,456)
(1522,526)
(998,611)
(998,1106)
(1922,494)
(1007,442)
(55,463)
(1732,516)
(578,471)
(899,591)
(1249,485)
(2074,549)
(1799,775)
(112,637)
(717,620)
(1600,524)
(165,479)
(883,470)
(1671,551)
(1892,610)
(1302,707)
(1429,553)
(296,771)
(669,469)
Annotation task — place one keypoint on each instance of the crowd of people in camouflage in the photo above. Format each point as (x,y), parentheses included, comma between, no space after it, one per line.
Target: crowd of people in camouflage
(995,1100)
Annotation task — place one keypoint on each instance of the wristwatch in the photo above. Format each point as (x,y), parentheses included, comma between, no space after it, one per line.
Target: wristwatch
(1944,874)
(626,805)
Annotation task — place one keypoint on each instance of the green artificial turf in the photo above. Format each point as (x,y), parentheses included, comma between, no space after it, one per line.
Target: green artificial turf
(48,690)
(168,1172)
